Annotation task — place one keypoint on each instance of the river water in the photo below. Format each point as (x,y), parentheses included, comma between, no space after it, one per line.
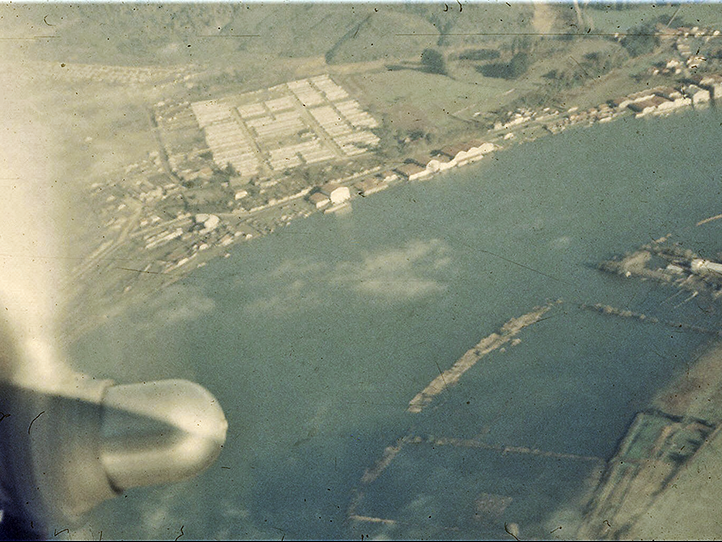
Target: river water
(315,338)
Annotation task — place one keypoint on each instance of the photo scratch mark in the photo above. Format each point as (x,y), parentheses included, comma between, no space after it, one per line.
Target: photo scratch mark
(32,422)
(31,38)
(230,36)
(441,374)
(509,532)
(523,266)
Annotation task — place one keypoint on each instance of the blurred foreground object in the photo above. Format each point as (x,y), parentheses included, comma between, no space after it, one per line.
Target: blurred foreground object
(67,447)
(67,441)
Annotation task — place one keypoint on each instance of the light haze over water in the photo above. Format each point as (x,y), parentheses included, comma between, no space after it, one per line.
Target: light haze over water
(315,338)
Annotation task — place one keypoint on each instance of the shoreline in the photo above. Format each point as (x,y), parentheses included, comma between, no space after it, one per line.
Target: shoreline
(506,137)
(157,227)
(153,281)
(662,459)
(575,119)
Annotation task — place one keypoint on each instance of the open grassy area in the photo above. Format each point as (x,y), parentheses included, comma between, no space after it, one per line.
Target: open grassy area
(384,35)
(210,33)
(437,98)
(619,20)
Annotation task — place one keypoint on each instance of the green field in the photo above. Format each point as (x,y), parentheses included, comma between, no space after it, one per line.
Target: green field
(438,97)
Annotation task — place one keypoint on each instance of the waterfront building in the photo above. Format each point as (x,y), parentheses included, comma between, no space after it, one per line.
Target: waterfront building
(676,103)
(318,200)
(698,95)
(466,153)
(388,176)
(637,97)
(440,162)
(713,83)
(208,221)
(413,172)
(701,266)
(669,93)
(616,103)
(370,186)
(335,192)
(649,105)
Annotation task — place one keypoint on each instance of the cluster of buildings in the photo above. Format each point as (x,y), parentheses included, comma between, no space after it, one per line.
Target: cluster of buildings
(444,159)
(290,125)
(140,204)
(697,91)
(226,138)
(662,100)
(330,193)
(257,138)
(196,233)
(258,135)
(688,40)
(524,115)
(183,141)
(334,195)
(691,47)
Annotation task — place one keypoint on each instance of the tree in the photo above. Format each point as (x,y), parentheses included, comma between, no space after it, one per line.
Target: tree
(671,21)
(518,65)
(443,24)
(433,61)
(230,170)
(521,44)
(641,40)
(515,68)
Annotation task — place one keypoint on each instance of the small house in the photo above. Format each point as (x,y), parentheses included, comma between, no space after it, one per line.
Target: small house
(465,153)
(413,172)
(713,83)
(318,200)
(440,162)
(698,95)
(648,105)
(370,186)
(388,176)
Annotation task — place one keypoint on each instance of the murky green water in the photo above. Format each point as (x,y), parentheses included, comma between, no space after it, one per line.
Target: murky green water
(315,339)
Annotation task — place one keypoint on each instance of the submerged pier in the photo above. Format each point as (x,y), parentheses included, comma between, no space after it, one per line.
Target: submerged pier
(487,345)
(625,313)
(669,263)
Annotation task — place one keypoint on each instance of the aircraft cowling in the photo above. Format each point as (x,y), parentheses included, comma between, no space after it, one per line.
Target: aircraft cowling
(68,445)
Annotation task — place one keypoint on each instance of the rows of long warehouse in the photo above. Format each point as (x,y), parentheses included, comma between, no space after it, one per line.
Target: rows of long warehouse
(287,126)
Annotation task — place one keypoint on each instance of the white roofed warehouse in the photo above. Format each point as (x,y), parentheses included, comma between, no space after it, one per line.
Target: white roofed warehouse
(336,193)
